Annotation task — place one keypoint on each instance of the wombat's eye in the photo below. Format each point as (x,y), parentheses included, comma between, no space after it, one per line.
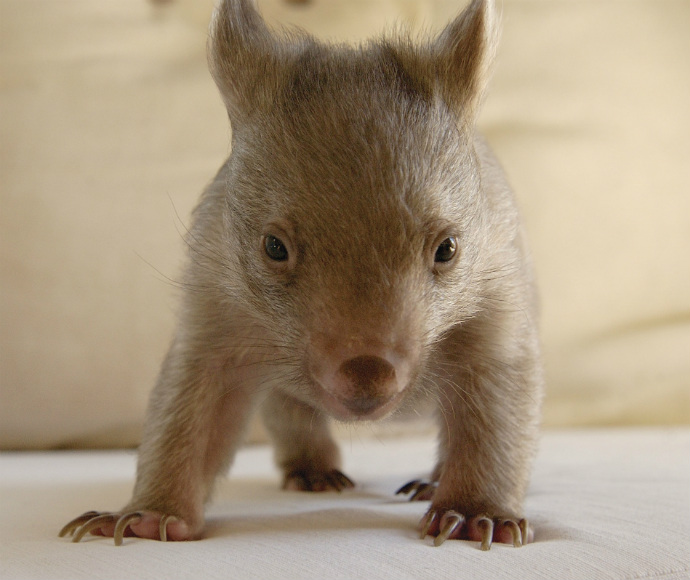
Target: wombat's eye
(275,249)
(446,250)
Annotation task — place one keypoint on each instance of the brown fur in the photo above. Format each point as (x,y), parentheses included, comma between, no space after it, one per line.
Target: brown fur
(361,161)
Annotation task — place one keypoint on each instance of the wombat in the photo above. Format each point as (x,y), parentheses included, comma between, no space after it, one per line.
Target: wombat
(359,252)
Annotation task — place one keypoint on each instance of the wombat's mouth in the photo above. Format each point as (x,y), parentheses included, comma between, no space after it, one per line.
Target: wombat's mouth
(363,408)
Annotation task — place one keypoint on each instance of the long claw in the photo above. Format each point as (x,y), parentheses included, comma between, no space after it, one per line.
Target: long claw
(69,527)
(452,521)
(418,489)
(486,525)
(122,524)
(408,487)
(515,531)
(422,492)
(163,526)
(344,481)
(333,480)
(431,517)
(93,524)
(338,481)
(524,531)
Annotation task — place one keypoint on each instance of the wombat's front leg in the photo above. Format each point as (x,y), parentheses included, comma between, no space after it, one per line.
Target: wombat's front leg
(196,417)
(490,396)
(304,447)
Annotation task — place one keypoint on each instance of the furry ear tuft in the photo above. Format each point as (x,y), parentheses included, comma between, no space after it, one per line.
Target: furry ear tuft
(242,54)
(245,58)
(463,54)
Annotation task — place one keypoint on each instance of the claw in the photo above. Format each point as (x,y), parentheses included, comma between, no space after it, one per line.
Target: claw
(451,523)
(421,490)
(515,532)
(408,487)
(338,481)
(333,480)
(342,480)
(486,525)
(163,526)
(122,524)
(420,493)
(524,531)
(431,518)
(93,524)
(69,527)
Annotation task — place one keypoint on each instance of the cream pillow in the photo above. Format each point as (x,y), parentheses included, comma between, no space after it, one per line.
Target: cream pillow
(111,126)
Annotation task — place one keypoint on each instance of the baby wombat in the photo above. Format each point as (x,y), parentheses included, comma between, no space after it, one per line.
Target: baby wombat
(359,252)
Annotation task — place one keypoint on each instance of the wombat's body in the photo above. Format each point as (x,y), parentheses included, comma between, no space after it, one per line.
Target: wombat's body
(359,252)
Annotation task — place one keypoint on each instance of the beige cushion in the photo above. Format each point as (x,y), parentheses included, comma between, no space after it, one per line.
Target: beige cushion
(110,126)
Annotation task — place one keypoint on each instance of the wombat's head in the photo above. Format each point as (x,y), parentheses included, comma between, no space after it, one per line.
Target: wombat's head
(355,213)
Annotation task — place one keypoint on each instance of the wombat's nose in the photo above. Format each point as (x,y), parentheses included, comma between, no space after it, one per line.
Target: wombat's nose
(367,382)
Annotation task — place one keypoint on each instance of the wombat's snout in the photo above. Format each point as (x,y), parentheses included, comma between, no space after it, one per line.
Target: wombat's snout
(363,385)
(366,383)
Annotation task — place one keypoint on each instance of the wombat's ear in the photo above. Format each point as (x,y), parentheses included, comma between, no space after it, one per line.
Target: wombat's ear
(463,54)
(242,55)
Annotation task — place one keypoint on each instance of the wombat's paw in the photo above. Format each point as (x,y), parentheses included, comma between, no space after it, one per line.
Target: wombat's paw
(449,524)
(302,480)
(143,524)
(420,489)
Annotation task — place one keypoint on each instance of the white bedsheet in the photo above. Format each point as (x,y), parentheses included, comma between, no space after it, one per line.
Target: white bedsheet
(609,504)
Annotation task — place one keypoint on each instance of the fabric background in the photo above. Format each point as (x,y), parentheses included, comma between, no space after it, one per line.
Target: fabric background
(605,505)
(110,126)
